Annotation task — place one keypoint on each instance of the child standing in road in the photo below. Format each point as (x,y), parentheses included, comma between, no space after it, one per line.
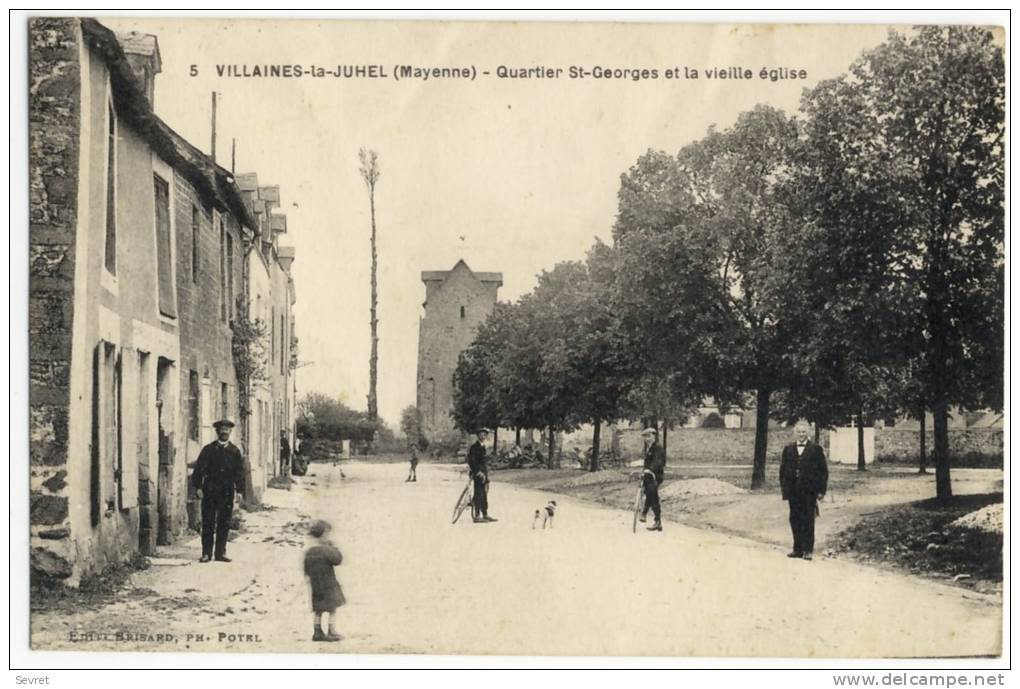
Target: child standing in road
(327,596)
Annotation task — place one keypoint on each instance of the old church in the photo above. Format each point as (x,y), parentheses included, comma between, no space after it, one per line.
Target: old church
(457,301)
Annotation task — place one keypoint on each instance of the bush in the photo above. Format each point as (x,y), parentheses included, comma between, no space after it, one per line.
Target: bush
(713,420)
(446,444)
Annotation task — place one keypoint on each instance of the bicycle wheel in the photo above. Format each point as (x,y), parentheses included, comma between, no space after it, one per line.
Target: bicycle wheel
(639,503)
(462,502)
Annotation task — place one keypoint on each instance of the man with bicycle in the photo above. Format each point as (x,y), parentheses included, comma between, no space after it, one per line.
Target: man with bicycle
(479,472)
(652,476)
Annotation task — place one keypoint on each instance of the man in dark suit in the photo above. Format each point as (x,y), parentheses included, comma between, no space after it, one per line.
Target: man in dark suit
(480,475)
(218,477)
(803,478)
(653,474)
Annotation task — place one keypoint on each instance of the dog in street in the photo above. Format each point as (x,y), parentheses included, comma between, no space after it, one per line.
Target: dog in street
(546,514)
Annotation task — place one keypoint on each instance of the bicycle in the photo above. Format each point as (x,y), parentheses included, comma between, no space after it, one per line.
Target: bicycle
(639,502)
(466,497)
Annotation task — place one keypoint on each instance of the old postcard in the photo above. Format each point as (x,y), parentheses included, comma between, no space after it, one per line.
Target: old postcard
(516,338)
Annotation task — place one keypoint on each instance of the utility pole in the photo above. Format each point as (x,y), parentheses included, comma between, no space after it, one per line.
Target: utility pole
(213,145)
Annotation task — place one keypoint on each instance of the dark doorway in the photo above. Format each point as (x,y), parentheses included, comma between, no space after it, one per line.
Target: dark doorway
(164,480)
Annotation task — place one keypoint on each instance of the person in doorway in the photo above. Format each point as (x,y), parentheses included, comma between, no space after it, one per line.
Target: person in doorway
(479,472)
(803,479)
(320,561)
(412,474)
(652,476)
(284,454)
(218,479)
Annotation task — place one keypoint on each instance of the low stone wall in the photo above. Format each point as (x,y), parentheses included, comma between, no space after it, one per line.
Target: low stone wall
(893,445)
(971,447)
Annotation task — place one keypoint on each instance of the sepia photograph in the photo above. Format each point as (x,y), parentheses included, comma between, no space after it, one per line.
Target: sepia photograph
(676,340)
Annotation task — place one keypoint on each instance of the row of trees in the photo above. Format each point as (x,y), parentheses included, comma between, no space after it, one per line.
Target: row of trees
(847,262)
(322,417)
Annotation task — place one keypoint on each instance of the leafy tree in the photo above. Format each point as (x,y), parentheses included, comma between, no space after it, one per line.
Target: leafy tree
(323,417)
(410,425)
(908,155)
(593,341)
(475,403)
(721,212)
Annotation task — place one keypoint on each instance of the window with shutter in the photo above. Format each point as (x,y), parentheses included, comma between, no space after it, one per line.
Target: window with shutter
(164,254)
(111,193)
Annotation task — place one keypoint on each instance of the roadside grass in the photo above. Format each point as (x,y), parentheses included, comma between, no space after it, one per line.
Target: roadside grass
(917,536)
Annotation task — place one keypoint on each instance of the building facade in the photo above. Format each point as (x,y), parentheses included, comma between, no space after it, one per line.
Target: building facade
(457,302)
(137,274)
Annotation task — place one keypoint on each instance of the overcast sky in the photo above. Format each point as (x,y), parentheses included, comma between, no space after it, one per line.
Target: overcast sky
(525,171)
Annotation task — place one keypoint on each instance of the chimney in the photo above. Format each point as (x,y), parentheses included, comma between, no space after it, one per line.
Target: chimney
(142,52)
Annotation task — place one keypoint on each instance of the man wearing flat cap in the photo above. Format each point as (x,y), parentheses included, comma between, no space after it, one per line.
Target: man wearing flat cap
(653,474)
(479,471)
(218,477)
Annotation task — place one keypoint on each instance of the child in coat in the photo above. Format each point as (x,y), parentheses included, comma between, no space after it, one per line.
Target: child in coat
(327,596)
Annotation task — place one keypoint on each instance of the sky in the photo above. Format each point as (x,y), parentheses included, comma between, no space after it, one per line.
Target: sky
(512,175)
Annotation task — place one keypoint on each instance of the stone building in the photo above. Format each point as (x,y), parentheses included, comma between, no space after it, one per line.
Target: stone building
(457,301)
(137,244)
(271,302)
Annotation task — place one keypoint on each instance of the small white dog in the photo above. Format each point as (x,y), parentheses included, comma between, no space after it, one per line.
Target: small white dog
(546,514)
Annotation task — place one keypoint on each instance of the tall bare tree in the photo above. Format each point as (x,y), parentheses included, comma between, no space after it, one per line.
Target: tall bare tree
(370,173)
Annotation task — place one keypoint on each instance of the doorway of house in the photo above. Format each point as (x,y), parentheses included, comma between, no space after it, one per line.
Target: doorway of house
(164,478)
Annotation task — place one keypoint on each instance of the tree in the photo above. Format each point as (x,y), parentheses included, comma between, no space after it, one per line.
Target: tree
(323,417)
(912,138)
(594,342)
(721,210)
(410,425)
(529,382)
(475,397)
(370,174)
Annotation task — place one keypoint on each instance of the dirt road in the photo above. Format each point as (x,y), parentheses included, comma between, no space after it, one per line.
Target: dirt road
(417,584)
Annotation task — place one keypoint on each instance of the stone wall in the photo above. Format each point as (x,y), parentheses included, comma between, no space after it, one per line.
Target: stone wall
(54,111)
(205,337)
(903,445)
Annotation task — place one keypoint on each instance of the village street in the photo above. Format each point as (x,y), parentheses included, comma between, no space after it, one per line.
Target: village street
(417,584)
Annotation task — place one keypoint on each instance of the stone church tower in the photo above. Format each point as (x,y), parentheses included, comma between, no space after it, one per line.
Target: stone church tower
(457,301)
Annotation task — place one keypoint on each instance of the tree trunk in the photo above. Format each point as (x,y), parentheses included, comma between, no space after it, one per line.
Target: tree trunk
(923,459)
(761,438)
(594,466)
(495,439)
(552,445)
(517,438)
(665,433)
(940,455)
(861,466)
(373,359)
(818,434)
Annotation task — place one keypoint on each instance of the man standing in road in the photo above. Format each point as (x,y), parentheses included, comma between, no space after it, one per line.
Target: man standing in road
(218,477)
(803,478)
(653,474)
(480,475)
